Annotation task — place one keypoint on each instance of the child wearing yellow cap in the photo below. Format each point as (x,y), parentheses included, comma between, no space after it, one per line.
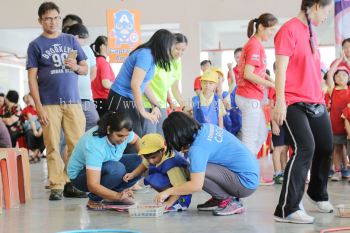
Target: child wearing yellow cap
(164,170)
(208,107)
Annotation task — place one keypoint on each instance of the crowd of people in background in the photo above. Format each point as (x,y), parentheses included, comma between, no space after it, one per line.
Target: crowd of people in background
(117,126)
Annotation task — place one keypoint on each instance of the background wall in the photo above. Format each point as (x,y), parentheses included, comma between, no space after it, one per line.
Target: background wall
(206,23)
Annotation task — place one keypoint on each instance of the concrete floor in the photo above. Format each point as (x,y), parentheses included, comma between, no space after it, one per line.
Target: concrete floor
(41,215)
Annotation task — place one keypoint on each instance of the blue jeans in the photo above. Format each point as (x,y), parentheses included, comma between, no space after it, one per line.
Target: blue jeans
(112,173)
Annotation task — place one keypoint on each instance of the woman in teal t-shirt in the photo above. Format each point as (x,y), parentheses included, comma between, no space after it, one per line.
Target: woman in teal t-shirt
(219,164)
(163,84)
(97,164)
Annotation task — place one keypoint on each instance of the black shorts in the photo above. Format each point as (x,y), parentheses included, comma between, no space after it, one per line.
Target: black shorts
(280,140)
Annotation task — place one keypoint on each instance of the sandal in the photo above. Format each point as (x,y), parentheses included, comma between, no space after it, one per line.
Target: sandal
(95,206)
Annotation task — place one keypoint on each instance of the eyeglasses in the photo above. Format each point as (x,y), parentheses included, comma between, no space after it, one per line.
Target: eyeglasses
(50,19)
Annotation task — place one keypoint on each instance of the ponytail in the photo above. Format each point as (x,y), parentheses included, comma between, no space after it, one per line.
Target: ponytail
(92,46)
(311,40)
(250,30)
(266,19)
(96,46)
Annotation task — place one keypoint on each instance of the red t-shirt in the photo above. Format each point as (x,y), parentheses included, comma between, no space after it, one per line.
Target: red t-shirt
(104,71)
(339,101)
(303,76)
(197,83)
(253,53)
(236,72)
(29,110)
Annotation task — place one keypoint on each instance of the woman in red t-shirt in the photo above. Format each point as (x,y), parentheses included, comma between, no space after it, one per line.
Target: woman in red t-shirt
(104,76)
(253,79)
(298,89)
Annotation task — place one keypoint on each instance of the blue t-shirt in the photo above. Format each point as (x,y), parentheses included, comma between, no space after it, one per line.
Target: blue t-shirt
(141,58)
(57,84)
(91,151)
(216,145)
(84,83)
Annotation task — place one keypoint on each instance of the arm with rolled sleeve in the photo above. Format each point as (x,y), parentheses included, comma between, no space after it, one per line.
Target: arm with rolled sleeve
(106,79)
(251,62)
(144,62)
(284,48)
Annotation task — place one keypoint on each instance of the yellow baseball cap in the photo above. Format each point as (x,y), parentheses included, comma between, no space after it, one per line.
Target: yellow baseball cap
(210,76)
(151,143)
(218,70)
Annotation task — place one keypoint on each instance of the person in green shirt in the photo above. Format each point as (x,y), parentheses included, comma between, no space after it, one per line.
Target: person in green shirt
(165,84)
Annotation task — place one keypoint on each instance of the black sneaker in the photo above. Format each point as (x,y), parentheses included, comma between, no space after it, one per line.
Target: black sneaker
(71,191)
(211,204)
(56,195)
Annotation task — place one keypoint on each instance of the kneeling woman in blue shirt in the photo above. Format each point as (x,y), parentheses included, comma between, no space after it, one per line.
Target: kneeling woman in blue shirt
(97,164)
(219,164)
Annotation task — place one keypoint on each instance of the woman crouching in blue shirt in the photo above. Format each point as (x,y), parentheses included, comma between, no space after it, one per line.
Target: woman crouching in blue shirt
(219,164)
(97,164)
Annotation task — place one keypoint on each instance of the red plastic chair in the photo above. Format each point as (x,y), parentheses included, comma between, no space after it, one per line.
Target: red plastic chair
(23,169)
(9,176)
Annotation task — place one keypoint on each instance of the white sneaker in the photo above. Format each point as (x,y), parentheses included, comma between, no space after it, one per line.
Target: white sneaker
(336,176)
(299,217)
(322,206)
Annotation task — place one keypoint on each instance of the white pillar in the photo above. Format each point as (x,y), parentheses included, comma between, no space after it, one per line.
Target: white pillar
(191,58)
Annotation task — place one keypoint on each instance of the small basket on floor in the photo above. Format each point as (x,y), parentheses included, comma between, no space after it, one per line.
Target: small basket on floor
(342,211)
(146,211)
